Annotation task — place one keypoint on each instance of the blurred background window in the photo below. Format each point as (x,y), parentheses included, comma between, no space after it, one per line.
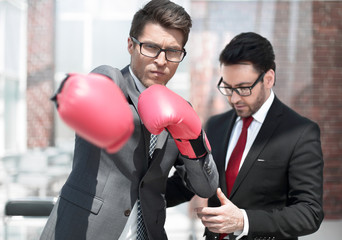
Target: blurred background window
(13,34)
(41,41)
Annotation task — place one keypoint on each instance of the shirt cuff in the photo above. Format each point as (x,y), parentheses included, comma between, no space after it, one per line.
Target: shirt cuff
(245,230)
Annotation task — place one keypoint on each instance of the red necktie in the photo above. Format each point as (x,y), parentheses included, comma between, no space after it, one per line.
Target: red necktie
(235,159)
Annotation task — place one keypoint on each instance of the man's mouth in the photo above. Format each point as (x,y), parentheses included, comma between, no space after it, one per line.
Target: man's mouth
(158,73)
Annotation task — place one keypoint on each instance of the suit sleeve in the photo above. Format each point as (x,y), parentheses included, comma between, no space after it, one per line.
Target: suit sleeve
(176,191)
(303,212)
(200,175)
(192,177)
(114,74)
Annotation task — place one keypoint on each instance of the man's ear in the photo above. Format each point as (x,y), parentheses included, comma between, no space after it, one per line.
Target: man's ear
(130,45)
(269,78)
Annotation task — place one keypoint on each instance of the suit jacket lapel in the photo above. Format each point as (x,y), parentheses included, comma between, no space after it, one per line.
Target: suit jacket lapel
(131,90)
(133,96)
(161,140)
(266,131)
(221,158)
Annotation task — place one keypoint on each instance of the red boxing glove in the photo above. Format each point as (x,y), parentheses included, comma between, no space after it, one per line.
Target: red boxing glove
(96,108)
(161,108)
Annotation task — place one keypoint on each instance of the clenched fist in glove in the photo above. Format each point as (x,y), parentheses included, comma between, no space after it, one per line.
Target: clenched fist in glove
(95,107)
(161,108)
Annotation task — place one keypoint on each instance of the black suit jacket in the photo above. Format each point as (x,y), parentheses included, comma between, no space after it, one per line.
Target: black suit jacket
(102,188)
(280,184)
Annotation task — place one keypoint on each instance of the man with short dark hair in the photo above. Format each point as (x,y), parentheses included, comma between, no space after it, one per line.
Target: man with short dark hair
(274,188)
(269,157)
(117,186)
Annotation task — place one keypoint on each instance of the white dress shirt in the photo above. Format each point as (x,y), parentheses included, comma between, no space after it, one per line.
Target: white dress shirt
(252,132)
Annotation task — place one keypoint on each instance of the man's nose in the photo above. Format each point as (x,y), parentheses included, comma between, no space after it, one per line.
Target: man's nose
(161,58)
(235,97)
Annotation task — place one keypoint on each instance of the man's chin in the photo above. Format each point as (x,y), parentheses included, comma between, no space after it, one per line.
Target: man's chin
(242,114)
(157,81)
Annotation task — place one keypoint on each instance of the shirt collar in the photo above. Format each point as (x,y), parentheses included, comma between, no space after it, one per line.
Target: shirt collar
(139,85)
(260,115)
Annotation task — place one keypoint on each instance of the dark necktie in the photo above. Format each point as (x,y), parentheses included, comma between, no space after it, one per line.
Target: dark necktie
(235,159)
(141,229)
(153,142)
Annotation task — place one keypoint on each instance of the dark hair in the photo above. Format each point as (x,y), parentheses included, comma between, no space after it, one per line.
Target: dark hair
(249,47)
(165,13)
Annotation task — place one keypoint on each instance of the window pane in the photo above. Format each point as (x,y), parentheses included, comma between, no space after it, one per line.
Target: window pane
(74,6)
(110,47)
(12,39)
(69,46)
(11,98)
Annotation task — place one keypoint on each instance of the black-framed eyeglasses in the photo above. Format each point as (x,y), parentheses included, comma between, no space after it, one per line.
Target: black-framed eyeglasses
(152,50)
(242,91)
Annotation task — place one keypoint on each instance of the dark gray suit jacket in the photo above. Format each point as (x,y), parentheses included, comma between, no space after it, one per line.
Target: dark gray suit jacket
(280,184)
(100,192)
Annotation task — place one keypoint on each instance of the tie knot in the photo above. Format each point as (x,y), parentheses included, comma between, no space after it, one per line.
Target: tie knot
(247,121)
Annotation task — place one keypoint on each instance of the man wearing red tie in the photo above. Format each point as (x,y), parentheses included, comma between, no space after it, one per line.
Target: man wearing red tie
(269,157)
